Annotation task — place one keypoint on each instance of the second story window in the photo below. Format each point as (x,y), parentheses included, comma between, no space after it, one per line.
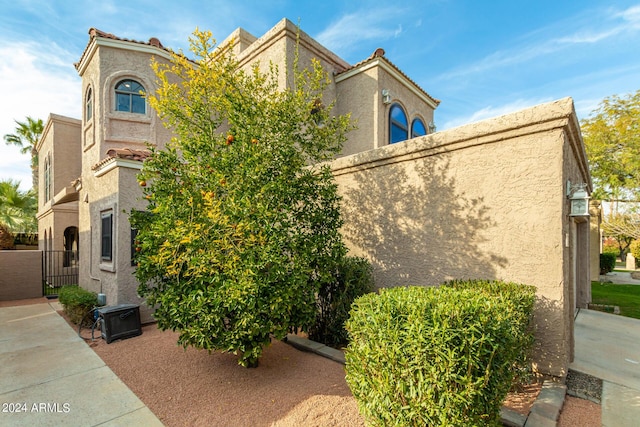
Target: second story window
(130,97)
(398,125)
(47,178)
(89,105)
(418,128)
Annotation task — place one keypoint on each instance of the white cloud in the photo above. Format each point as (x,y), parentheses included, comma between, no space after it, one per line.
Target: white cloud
(491,111)
(35,80)
(546,41)
(348,31)
(631,16)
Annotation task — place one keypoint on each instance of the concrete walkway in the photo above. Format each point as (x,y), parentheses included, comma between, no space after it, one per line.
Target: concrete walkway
(608,347)
(50,377)
(619,277)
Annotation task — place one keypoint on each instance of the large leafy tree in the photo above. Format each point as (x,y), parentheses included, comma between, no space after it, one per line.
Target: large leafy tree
(612,140)
(17,212)
(26,137)
(239,229)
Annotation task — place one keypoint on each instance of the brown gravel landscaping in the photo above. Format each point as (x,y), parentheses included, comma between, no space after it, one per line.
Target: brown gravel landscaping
(289,387)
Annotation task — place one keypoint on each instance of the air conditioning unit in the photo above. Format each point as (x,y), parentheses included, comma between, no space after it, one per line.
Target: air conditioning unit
(119,322)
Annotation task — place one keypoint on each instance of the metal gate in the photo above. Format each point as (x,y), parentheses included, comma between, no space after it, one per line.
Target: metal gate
(59,268)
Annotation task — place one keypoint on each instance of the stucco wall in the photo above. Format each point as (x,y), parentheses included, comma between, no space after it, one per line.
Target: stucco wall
(485,200)
(20,275)
(116,191)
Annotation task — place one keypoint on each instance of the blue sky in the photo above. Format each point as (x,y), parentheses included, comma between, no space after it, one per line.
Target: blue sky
(480,58)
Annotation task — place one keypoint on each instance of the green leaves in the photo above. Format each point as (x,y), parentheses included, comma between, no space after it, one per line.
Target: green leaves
(237,223)
(438,356)
(612,141)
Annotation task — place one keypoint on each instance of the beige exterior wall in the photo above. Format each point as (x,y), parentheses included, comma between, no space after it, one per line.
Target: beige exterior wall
(356,92)
(485,200)
(116,191)
(21,276)
(360,94)
(112,187)
(60,142)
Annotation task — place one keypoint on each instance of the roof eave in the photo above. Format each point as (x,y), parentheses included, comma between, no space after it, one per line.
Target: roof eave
(386,65)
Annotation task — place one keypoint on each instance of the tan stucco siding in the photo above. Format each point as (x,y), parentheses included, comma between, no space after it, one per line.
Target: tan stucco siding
(485,200)
(359,97)
(472,212)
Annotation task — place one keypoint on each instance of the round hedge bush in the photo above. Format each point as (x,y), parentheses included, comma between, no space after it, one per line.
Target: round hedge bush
(438,356)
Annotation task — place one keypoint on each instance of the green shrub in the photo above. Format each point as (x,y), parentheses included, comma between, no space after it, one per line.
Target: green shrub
(607,262)
(352,279)
(77,302)
(437,356)
(611,247)
(518,303)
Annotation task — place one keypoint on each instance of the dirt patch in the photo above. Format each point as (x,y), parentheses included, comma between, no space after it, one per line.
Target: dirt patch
(579,412)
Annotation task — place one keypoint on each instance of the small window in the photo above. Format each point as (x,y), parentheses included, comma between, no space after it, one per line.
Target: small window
(89,106)
(47,178)
(418,128)
(130,97)
(398,124)
(106,236)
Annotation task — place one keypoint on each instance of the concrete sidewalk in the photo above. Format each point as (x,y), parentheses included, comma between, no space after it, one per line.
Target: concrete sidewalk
(619,277)
(608,347)
(50,377)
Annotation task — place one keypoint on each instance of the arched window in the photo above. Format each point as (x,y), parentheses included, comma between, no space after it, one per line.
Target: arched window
(418,128)
(398,124)
(130,97)
(47,178)
(88,106)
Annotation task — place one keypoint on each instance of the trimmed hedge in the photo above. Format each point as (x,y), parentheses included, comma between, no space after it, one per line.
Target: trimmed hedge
(438,356)
(607,262)
(77,302)
(352,279)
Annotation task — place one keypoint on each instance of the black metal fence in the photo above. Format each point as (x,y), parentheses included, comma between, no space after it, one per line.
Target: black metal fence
(59,268)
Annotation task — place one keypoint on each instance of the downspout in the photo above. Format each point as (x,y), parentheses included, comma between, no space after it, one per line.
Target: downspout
(91,276)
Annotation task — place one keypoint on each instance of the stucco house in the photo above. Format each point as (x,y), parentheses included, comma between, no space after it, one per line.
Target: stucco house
(487,200)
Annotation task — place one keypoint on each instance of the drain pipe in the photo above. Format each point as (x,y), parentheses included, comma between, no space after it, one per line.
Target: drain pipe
(102,298)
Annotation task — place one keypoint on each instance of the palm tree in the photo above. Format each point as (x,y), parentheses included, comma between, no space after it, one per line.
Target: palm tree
(26,137)
(17,209)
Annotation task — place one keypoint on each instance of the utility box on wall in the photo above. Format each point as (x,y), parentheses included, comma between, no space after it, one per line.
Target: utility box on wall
(120,322)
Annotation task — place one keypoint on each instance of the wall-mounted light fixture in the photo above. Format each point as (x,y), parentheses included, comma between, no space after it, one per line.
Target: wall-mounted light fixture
(579,198)
(432,127)
(386,96)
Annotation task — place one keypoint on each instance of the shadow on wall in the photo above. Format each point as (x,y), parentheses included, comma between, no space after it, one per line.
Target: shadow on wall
(551,350)
(415,226)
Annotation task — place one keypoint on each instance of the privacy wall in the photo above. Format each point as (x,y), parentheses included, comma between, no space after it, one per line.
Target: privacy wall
(486,200)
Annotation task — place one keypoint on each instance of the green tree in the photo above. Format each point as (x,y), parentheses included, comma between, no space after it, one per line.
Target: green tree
(239,229)
(612,140)
(26,137)
(624,229)
(17,211)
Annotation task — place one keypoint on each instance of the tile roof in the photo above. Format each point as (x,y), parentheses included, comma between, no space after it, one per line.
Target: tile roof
(123,153)
(379,53)
(94,32)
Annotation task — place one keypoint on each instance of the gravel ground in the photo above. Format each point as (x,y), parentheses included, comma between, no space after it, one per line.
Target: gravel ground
(584,386)
(289,387)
